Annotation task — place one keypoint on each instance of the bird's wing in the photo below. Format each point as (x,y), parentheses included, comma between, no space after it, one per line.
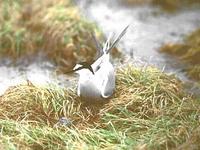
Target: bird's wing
(108,84)
(78,90)
(97,64)
(100,62)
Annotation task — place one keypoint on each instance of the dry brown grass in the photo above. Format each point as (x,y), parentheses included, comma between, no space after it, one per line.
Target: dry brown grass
(166,5)
(42,105)
(55,27)
(193,142)
(137,2)
(188,52)
(171,6)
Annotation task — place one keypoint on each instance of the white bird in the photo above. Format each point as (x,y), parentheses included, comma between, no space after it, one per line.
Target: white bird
(97,81)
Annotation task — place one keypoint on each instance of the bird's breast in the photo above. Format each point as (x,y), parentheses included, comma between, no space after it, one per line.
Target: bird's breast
(89,90)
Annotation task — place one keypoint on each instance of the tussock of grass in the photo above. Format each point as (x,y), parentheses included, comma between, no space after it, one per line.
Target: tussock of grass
(171,6)
(44,105)
(188,51)
(166,5)
(194,72)
(136,2)
(148,110)
(54,26)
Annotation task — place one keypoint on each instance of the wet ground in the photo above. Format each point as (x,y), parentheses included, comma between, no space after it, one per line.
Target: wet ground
(149,29)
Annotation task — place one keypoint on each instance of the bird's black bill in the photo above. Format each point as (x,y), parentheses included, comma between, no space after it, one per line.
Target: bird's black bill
(90,68)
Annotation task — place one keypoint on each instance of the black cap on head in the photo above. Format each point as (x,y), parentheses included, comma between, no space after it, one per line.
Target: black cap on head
(86,66)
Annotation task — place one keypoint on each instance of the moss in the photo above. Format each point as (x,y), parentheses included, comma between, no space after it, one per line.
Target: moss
(149,110)
(188,51)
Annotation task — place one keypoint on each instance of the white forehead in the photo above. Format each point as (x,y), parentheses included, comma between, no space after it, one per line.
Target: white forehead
(84,72)
(77,66)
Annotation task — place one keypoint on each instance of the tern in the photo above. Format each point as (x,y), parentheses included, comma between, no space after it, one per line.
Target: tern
(97,80)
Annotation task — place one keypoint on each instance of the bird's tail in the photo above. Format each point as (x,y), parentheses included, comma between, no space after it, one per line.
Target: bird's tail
(107,44)
(110,45)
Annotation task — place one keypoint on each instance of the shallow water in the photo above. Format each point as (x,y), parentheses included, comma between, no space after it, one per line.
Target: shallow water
(149,29)
(37,70)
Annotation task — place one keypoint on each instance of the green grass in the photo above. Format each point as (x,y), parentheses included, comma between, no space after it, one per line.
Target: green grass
(149,110)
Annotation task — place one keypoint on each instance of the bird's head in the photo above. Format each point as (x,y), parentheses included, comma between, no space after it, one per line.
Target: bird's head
(82,66)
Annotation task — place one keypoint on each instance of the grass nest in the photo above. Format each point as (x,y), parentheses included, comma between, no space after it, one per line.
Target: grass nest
(149,110)
(188,52)
(54,27)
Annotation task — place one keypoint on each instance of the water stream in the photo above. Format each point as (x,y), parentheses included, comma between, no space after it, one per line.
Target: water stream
(37,70)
